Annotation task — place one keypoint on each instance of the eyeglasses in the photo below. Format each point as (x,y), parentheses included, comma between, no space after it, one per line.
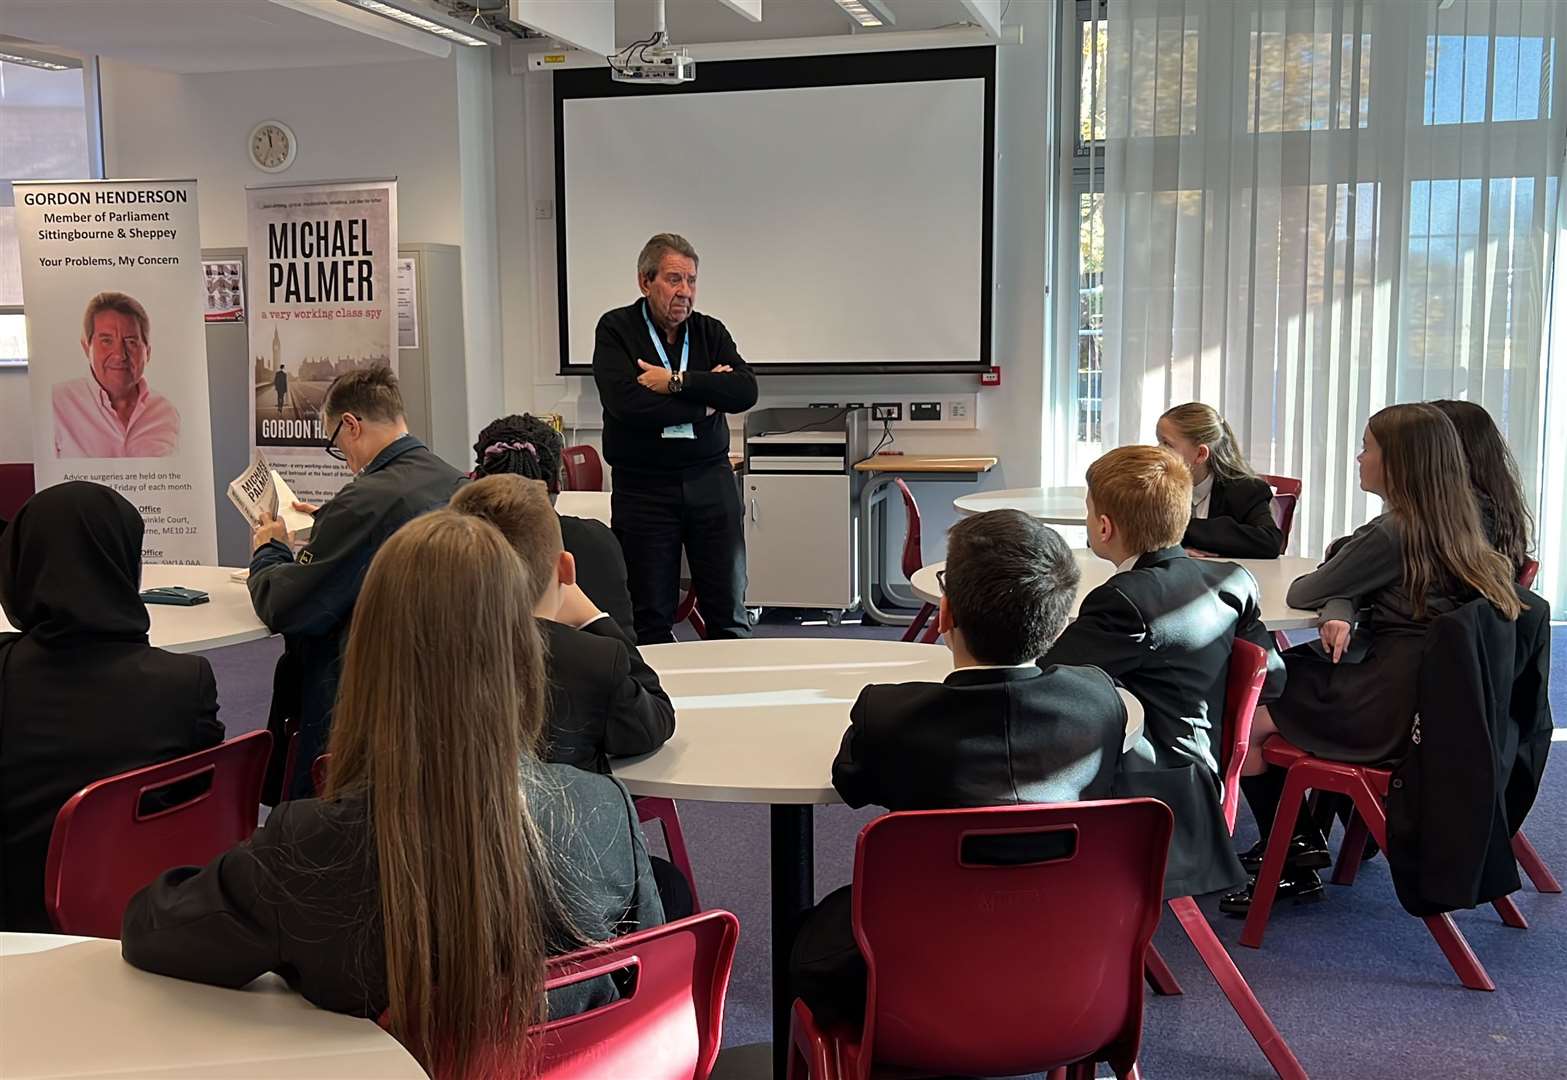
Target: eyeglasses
(941,580)
(331,444)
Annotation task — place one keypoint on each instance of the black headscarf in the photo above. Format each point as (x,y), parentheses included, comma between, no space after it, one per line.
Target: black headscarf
(70,566)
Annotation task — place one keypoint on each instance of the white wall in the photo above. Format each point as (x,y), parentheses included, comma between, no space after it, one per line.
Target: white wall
(16,418)
(1009,418)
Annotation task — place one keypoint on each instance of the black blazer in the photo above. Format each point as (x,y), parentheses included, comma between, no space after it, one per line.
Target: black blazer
(1163,630)
(301,897)
(601,567)
(72,715)
(1240,522)
(983,737)
(604,699)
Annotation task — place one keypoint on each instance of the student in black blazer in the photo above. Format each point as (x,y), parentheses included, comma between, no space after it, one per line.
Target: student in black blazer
(1163,626)
(1232,507)
(82,694)
(1000,730)
(526,446)
(445,859)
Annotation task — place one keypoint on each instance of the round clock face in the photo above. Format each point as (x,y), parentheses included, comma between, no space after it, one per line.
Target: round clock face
(272,146)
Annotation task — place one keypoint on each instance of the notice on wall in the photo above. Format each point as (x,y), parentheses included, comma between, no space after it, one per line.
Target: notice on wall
(323,302)
(112,285)
(407,304)
(225,291)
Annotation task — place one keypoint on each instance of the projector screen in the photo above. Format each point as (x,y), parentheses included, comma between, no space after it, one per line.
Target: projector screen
(841,205)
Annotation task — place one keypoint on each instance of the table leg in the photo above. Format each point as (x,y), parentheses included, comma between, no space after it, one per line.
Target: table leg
(794,892)
(870,556)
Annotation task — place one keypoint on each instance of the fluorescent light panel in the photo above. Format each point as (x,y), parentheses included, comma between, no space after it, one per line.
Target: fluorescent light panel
(418,22)
(44,61)
(867,12)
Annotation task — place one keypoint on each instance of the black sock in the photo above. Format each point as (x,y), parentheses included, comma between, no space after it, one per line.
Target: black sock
(1262,795)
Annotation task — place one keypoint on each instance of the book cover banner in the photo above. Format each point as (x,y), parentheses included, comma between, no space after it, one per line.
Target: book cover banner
(323,302)
(112,288)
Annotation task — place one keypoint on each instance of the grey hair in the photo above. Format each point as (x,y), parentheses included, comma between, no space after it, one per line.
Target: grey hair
(653,253)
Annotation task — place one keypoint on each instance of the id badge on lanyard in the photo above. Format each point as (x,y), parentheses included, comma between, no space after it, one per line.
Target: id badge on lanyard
(673,431)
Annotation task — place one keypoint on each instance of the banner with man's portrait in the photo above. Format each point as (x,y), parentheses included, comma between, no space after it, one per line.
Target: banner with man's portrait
(323,302)
(117,368)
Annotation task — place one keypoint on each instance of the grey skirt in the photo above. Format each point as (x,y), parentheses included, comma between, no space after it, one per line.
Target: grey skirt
(1360,712)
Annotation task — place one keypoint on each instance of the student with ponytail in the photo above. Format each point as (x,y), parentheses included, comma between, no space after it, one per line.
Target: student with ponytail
(1232,507)
(1493,474)
(523,445)
(446,862)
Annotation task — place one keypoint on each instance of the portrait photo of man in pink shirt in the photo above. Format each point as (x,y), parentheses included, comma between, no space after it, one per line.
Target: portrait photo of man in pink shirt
(111,412)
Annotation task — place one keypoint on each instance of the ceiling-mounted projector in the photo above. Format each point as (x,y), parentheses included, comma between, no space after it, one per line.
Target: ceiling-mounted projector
(661,64)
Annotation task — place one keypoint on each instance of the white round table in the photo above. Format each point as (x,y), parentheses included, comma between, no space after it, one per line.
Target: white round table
(225,619)
(584,504)
(1053,505)
(1273,580)
(70,1007)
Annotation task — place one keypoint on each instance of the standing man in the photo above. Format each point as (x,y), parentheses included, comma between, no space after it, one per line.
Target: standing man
(280,384)
(667,376)
(310,598)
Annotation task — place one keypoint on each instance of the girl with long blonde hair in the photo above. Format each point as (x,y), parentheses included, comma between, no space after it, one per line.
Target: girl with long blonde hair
(446,862)
(1232,507)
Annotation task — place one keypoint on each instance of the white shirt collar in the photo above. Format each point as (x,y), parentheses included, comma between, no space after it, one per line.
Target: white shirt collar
(1202,489)
(998,667)
(1127,564)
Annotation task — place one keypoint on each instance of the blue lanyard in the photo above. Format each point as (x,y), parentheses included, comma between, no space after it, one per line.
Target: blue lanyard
(658,343)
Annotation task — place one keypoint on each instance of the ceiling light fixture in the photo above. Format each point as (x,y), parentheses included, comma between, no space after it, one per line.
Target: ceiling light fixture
(867,12)
(418,22)
(10,54)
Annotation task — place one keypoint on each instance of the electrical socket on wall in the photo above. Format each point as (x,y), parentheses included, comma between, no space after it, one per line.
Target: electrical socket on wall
(887,410)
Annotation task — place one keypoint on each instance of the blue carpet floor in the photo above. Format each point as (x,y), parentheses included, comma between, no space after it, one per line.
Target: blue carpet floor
(1357,987)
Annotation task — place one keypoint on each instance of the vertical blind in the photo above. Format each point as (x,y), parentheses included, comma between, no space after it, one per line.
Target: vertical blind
(1315,208)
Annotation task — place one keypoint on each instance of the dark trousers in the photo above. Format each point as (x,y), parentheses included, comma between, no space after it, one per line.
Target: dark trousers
(280,395)
(654,518)
(826,968)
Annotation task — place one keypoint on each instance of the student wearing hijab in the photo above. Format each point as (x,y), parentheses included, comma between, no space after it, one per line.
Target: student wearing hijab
(83,696)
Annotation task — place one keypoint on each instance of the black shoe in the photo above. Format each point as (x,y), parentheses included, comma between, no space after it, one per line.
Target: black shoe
(1303,854)
(1300,886)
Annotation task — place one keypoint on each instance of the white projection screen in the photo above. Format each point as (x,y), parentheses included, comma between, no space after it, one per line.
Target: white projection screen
(841,205)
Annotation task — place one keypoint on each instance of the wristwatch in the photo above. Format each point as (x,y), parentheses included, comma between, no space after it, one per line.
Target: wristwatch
(675,383)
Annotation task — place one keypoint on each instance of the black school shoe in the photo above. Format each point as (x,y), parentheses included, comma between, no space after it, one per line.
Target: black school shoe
(1305,853)
(1300,886)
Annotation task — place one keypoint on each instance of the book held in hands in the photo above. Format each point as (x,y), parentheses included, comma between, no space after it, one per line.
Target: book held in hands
(260,490)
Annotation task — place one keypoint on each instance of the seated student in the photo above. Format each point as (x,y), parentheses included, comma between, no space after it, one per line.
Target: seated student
(1504,516)
(529,447)
(604,699)
(1351,695)
(446,862)
(998,731)
(1163,626)
(1232,507)
(82,694)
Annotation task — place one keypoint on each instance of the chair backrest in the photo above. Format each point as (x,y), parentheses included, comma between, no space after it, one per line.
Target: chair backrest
(106,845)
(16,487)
(1242,690)
(913,554)
(318,772)
(1037,959)
(1530,571)
(583,467)
(668,1026)
(1286,494)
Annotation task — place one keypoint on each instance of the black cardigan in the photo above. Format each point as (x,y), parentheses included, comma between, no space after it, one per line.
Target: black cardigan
(1239,524)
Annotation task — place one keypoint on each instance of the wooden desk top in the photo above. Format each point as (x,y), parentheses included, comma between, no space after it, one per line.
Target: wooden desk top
(925,463)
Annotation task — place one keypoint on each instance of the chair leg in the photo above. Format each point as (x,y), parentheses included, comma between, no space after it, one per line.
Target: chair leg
(920,618)
(1267,880)
(1533,865)
(933,634)
(1351,852)
(663,811)
(1159,975)
(1456,948)
(1236,990)
(1511,916)
(1134,1073)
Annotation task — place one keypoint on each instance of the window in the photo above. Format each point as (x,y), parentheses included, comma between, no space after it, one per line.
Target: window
(1088,192)
(48,128)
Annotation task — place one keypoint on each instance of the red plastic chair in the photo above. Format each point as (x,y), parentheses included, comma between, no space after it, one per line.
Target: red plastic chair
(687,611)
(1037,962)
(104,849)
(318,772)
(16,487)
(583,467)
(1248,670)
(1530,571)
(1286,494)
(913,559)
(1367,788)
(663,811)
